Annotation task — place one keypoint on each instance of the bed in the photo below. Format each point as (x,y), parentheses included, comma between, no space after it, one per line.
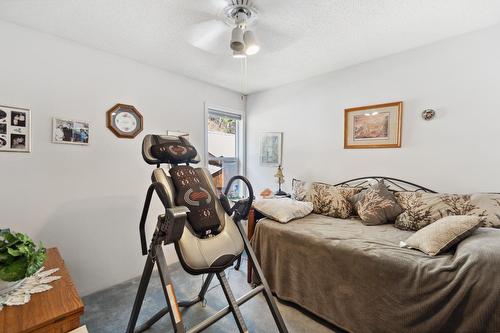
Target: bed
(358,278)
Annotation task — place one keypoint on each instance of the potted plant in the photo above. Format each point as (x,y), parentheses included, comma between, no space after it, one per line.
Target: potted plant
(19,259)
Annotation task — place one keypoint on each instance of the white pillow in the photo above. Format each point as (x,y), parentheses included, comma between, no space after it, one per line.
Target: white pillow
(283,209)
(439,236)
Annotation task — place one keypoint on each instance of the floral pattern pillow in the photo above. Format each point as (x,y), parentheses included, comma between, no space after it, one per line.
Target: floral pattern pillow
(422,209)
(488,206)
(332,200)
(376,205)
(301,190)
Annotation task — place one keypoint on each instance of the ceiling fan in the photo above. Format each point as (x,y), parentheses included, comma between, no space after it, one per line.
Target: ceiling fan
(233,29)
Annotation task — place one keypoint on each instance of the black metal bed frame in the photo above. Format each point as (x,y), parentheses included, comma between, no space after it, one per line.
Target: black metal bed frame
(393,184)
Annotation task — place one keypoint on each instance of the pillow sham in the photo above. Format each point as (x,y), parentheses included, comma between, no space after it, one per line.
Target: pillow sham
(376,205)
(301,190)
(441,235)
(421,209)
(283,209)
(487,206)
(332,200)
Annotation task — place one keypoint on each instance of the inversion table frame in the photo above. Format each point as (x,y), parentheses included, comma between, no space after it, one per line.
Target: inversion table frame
(167,231)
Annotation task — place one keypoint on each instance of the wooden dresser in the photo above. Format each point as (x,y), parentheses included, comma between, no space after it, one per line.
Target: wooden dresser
(54,311)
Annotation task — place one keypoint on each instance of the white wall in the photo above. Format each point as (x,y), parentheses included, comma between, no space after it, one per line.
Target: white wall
(458,151)
(87,200)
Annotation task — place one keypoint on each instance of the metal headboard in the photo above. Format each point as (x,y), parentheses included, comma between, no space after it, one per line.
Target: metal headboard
(393,184)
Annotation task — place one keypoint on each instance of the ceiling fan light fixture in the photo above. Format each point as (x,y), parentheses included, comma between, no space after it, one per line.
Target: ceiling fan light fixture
(237,42)
(251,44)
(239,55)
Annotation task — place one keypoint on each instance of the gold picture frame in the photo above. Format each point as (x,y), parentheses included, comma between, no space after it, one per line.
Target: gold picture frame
(373,126)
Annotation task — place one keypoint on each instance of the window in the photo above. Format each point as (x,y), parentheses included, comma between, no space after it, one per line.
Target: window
(225,149)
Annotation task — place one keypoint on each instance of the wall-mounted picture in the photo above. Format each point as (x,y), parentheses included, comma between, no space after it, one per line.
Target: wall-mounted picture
(178,133)
(374,126)
(15,129)
(75,132)
(270,149)
(125,121)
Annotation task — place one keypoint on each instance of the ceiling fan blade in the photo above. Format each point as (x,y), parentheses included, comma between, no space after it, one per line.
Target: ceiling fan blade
(211,36)
(271,39)
(213,7)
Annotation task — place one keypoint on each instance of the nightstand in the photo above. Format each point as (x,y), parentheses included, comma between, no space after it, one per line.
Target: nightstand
(57,310)
(253,217)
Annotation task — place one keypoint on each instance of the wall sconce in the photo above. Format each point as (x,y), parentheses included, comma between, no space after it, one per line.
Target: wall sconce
(428,114)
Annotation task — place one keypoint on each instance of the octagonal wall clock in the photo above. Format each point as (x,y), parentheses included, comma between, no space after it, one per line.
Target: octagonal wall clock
(124,121)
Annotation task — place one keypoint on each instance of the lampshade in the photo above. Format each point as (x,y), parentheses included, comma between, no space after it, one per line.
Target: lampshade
(239,54)
(251,44)
(279,175)
(237,43)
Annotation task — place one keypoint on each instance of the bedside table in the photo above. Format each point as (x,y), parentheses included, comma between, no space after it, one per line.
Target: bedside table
(253,217)
(57,310)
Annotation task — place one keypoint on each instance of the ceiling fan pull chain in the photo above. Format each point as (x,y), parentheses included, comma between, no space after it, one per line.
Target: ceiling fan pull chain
(243,66)
(245,60)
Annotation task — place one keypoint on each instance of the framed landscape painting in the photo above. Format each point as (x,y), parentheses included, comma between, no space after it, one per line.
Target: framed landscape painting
(270,149)
(374,126)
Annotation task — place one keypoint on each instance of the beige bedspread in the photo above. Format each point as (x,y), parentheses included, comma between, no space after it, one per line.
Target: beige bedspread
(358,278)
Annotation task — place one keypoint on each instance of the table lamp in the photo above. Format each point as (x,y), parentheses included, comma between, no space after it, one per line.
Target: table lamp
(280,179)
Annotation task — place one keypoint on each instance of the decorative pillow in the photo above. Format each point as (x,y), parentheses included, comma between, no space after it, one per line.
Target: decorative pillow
(301,190)
(376,205)
(487,206)
(284,209)
(423,208)
(439,236)
(332,200)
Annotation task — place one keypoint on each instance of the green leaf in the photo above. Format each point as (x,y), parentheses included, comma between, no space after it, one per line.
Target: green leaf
(10,237)
(14,252)
(23,238)
(4,257)
(36,261)
(15,271)
(26,249)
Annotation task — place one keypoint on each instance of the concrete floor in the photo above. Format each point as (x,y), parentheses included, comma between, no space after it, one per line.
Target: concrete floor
(108,311)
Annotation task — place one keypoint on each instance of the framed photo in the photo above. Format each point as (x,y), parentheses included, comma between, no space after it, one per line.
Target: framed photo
(75,132)
(178,133)
(271,148)
(15,129)
(374,126)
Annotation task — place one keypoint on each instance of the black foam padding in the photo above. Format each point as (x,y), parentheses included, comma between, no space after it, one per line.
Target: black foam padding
(172,152)
(157,149)
(194,193)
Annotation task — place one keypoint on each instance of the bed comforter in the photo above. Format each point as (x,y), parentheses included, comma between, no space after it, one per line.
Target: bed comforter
(358,278)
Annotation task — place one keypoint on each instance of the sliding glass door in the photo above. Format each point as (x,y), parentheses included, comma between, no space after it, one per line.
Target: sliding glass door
(225,148)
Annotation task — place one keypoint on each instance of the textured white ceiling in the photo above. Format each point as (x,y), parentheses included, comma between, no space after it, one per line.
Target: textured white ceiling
(311,36)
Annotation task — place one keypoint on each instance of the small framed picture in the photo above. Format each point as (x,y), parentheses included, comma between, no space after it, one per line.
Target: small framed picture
(75,132)
(15,129)
(374,126)
(178,133)
(270,148)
